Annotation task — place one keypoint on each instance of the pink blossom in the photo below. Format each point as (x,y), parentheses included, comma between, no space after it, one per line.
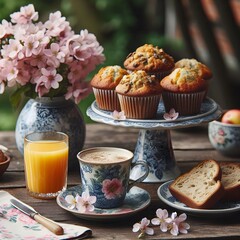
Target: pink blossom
(24,75)
(55,55)
(182,226)
(31,46)
(172,115)
(56,24)
(85,202)
(118,115)
(38,60)
(112,188)
(14,48)
(78,91)
(83,51)
(12,75)
(71,200)
(76,72)
(6,28)
(177,224)
(41,88)
(51,78)
(221,132)
(143,228)
(7,71)
(25,15)
(162,215)
(2,86)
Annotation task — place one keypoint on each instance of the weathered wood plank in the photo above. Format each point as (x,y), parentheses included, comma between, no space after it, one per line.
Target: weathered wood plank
(190,147)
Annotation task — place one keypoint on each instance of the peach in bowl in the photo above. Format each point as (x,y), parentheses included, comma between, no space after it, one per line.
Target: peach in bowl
(224,134)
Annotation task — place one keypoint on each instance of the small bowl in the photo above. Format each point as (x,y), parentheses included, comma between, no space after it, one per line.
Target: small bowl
(225,138)
(4,165)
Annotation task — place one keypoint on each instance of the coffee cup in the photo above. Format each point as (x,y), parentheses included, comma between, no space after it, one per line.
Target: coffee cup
(105,174)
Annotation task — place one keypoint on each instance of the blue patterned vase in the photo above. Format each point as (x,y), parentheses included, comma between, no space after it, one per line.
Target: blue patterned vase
(53,114)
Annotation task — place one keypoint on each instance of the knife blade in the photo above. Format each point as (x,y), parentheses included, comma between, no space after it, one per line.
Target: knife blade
(49,224)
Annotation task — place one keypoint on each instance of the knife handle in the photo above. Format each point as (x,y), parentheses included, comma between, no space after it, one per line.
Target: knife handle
(50,225)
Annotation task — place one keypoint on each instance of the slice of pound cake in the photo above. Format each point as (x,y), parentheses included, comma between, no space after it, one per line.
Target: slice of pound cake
(231,180)
(201,187)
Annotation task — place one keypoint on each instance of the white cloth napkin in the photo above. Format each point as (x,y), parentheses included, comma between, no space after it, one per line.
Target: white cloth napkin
(16,225)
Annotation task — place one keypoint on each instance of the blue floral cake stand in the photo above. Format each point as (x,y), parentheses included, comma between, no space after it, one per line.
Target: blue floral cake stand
(154,141)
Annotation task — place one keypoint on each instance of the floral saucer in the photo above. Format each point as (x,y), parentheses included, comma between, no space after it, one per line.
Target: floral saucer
(221,208)
(136,200)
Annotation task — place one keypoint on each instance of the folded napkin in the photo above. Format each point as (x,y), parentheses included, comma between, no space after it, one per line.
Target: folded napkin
(16,225)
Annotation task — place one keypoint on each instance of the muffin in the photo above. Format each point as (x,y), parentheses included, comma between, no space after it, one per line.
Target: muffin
(201,69)
(192,64)
(139,95)
(104,84)
(153,60)
(184,91)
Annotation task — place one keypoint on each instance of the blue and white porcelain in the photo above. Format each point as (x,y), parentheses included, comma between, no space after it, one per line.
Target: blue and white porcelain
(225,138)
(154,144)
(135,201)
(108,180)
(221,208)
(155,148)
(52,114)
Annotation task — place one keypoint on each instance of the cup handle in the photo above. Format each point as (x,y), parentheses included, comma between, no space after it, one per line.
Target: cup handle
(142,177)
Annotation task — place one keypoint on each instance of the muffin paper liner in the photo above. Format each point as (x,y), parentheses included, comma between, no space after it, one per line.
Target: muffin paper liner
(139,107)
(183,103)
(106,99)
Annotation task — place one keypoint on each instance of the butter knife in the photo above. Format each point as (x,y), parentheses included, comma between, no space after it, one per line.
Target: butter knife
(50,225)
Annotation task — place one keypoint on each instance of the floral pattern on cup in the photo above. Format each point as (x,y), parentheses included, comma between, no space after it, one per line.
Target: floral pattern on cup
(220,137)
(225,138)
(108,184)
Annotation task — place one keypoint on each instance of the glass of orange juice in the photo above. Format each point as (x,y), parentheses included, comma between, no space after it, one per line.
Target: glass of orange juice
(46,163)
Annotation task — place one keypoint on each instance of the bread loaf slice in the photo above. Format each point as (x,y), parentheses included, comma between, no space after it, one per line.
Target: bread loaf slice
(231,180)
(201,187)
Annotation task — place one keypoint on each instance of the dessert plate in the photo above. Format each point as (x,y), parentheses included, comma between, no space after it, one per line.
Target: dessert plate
(136,200)
(221,208)
(209,111)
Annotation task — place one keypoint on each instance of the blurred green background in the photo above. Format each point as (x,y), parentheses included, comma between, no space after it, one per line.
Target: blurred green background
(120,29)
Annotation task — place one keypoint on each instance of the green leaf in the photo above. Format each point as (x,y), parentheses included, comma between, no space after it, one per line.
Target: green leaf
(17,96)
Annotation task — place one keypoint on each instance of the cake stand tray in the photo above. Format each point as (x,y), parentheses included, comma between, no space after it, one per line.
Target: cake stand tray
(154,140)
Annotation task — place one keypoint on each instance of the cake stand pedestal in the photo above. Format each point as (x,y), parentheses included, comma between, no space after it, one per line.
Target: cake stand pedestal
(154,144)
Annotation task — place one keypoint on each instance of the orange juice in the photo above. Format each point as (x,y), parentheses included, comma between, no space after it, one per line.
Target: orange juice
(46,166)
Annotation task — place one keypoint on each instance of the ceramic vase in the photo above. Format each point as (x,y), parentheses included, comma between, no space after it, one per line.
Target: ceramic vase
(52,114)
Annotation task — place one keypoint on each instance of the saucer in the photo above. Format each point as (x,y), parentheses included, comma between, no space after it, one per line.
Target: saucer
(221,208)
(136,200)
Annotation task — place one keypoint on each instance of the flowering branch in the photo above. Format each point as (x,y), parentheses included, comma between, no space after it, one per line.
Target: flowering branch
(46,58)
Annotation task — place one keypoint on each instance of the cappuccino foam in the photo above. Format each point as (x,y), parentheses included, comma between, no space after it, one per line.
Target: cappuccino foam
(104,156)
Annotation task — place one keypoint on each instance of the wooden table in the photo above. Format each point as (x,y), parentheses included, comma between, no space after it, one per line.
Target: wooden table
(190,146)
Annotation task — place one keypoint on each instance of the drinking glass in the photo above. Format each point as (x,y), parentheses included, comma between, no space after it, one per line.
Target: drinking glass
(46,163)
